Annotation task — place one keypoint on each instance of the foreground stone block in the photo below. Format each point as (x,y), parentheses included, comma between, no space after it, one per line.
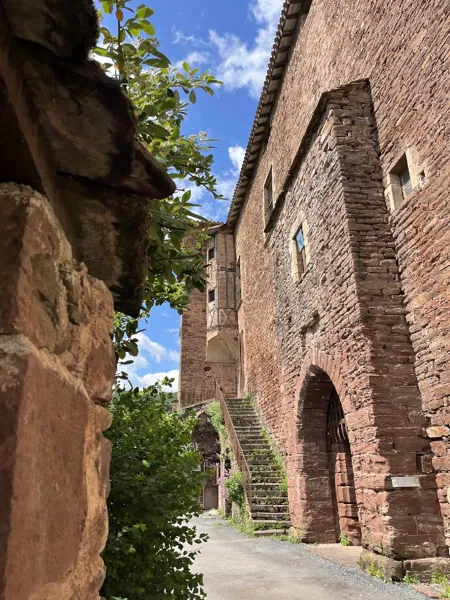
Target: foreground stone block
(56,369)
(391,569)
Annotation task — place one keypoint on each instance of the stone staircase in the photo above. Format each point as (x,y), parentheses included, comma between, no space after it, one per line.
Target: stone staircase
(270,508)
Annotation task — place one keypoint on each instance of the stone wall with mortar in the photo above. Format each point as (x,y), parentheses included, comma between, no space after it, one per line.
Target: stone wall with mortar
(57,366)
(401,51)
(197,375)
(348,305)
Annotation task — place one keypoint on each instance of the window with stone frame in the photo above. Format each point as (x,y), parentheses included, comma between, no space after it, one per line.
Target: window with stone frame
(401,180)
(268,196)
(299,246)
(211,295)
(301,250)
(211,253)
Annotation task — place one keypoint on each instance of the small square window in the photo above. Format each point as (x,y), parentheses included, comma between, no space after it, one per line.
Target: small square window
(301,250)
(211,295)
(401,181)
(268,196)
(211,254)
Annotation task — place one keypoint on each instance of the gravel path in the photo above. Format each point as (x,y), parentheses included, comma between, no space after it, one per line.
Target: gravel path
(237,567)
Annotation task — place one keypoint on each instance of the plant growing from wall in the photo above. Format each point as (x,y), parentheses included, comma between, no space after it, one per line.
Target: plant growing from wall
(154,492)
(214,412)
(235,489)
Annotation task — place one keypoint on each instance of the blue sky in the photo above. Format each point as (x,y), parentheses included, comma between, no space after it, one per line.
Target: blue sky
(233,40)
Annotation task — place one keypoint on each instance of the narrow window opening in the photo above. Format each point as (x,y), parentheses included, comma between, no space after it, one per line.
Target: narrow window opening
(238,283)
(211,295)
(268,195)
(405,179)
(301,250)
(211,254)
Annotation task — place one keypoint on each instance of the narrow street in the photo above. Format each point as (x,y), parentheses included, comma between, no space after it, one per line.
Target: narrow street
(238,567)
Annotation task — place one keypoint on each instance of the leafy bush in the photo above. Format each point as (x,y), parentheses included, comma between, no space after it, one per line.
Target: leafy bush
(214,412)
(235,488)
(154,492)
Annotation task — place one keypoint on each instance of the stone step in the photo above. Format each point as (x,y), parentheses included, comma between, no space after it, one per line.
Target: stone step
(265,479)
(270,501)
(268,532)
(259,454)
(268,495)
(269,508)
(271,516)
(263,485)
(276,522)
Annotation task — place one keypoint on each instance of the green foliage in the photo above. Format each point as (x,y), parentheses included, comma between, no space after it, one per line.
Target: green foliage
(439,578)
(161,95)
(294,539)
(410,579)
(372,570)
(214,412)
(235,488)
(445,593)
(344,540)
(154,491)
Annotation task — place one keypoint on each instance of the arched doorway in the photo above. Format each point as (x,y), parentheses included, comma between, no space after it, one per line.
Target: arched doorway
(325,472)
(342,479)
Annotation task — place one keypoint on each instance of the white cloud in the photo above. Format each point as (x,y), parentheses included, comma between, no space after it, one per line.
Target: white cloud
(155,350)
(236,154)
(243,65)
(195,59)
(192,40)
(151,378)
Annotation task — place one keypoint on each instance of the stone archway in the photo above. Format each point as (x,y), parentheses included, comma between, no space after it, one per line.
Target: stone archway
(324,491)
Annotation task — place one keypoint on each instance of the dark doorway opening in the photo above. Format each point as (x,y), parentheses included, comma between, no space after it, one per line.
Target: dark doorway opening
(342,478)
(327,486)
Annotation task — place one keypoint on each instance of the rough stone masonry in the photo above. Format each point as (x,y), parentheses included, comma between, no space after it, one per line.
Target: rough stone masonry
(74,187)
(341,229)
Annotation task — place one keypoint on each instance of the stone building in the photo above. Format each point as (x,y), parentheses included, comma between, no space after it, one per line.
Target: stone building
(74,187)
(338,241)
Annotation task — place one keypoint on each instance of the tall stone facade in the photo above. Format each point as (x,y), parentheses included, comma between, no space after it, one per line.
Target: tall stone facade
(56,368)
(341,231)
(208,329)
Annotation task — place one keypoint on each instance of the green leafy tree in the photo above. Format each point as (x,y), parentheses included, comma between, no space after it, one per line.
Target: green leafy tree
(161,95)
(154,491)
(154,487)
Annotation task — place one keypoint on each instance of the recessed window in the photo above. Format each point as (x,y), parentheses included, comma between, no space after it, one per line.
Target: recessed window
(211,254)
(299,247)
(405,180)
(238,282)
(211,295)
(268,196)
(301,250)
(401,181)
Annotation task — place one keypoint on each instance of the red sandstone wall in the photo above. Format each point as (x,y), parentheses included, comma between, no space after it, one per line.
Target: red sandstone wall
(197,376)
(57,367)
(401,48)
